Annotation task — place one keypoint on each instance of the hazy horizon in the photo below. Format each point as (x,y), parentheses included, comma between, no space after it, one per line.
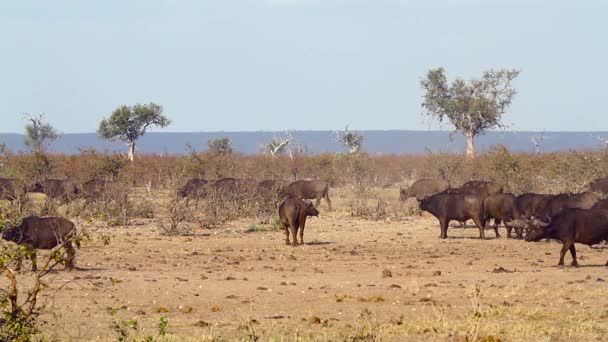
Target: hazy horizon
(273,65)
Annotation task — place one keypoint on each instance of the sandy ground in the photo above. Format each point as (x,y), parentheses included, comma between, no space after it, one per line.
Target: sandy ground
(353,280)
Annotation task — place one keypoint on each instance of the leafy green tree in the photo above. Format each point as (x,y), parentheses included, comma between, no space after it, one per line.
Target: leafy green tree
(220,146)
(127,124)
(473,106)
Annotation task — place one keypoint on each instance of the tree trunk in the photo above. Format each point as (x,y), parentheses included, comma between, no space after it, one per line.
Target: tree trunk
(132,151)
(470,145)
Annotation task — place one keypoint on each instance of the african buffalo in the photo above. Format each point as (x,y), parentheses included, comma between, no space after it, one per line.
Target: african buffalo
(599,185)
(309,190)
(529,204)
(555,204)
(603,204)
(586,226)
(503,207)
(423,187)
(292,213)
(95,188)
(459,207)
(194,188)
(44,233)
(482,189)
(57,189)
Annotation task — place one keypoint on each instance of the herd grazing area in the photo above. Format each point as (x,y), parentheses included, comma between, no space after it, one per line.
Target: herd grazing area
(154,267)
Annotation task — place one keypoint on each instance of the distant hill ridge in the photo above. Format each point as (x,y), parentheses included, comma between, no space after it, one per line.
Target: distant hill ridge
(375,142)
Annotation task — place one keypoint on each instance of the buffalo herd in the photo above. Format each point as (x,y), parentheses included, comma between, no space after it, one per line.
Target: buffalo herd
(569,218)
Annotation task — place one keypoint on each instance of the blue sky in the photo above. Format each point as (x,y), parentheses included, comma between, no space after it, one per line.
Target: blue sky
(296,64)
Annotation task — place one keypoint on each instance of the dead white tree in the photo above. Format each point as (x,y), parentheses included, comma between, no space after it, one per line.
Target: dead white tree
(604,141)
(351,140)
(537,141)
(278,145)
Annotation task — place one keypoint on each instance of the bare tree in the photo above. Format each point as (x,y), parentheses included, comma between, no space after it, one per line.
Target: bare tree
(278,145)
(38,133)
(537,141)
(351,140)
(604,141)
(220,146)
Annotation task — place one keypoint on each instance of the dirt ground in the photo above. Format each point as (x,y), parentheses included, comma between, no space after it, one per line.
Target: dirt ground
(353,280)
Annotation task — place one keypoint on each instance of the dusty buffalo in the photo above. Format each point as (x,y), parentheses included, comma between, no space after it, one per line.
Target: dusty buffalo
(482,189)
(95,188)
(603,204)
(555,204)
(194,188)
(423,188)
(530,204)
(44,233)
(459,207)
(63,189)
(308,190)
(503,207)
(584,226)
(292,213)
(599,185)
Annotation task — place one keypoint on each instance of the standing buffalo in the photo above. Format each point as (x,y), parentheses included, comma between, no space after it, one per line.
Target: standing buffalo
(530,204)
(503,207)
(309,190)
(194,188)
(599,185)
(588,227)
(459,207)
(44,233)
(555,204)
(292,213)
(62,189)
(423,188)
(95,188)
(603,204)
(482,189)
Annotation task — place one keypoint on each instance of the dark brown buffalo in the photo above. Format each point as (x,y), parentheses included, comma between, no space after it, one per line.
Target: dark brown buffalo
(95,188)
(482,189)
(603,204)
(308,190)
(599,185)
(194,188)
(44,233)
(530,204)
(10,189)
(586,226)
(292,213)
(555,204)
(63,189)
(423,188)
(459,207)
(503,207)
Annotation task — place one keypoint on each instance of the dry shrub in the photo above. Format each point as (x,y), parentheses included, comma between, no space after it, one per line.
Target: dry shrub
(175,221)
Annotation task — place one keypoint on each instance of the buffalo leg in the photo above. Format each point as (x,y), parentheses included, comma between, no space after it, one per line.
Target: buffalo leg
(573,254)
(480,224)
(519,232)
(286,227)
(33,259)
(444,228)
(317,202)
(496,223)
(69,261)
(301,234)
(562,253)
(294,235)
